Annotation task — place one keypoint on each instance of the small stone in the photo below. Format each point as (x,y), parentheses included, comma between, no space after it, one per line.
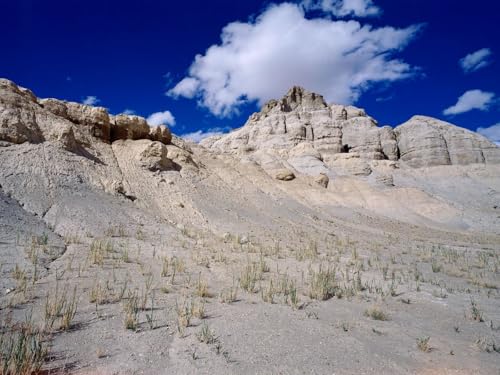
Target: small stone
(285,175)
(322,180)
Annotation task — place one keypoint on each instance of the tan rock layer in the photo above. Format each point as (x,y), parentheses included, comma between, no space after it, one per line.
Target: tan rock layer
(24,118)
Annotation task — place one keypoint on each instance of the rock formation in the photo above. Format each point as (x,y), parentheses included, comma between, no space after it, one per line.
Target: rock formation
(425,141)
(25,118)
(327,154)
(303,132)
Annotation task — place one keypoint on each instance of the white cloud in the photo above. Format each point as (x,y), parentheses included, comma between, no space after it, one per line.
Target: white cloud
(200,135)
(261,60)
(90,100)
(472,99)
(492,133)
(129,112)
(384,98)
(343,8)
(187,88)
(476,60)
(161,118)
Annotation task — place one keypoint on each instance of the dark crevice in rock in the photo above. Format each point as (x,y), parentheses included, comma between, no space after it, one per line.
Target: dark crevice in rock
(130,197)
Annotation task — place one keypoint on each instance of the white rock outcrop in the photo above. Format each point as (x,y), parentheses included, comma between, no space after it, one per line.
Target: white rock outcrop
(425,141)
(303,132)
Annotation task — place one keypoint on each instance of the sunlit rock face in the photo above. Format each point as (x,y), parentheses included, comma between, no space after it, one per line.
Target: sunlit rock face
(302,131)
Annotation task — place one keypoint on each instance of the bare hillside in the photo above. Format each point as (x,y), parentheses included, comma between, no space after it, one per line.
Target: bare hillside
(311,240)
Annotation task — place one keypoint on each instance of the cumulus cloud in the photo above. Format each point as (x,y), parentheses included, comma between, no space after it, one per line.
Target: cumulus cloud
(200,135)
(187,88)
(129,112)
(472,99)
(343,8)
(161,118)
(492,133)
(262,59)
(476,60)
(90,100)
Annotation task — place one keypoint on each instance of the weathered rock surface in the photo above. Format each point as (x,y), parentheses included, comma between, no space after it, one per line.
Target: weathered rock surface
(93,120)
(322,180)
(17,117)
(154,156)
(161,134)
(24,118)
(129,127)
(425,141)
(337,147)
(284,175)
(312,137)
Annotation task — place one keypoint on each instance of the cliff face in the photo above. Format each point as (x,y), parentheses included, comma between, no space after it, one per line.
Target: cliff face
(425,141)
(25,118)
(301,129)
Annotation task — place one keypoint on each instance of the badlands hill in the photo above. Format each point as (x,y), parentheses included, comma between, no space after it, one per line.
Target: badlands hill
(310,240)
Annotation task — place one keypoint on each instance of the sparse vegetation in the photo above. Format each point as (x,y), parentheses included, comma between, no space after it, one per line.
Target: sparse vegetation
(230,294)
(322,285)
(22,351)
(69,312)
(436,267)
(99,249)
(184,314)
(131,310)
(423,344)
(207,335)
(487,344)
(376,313)
(249,277)
(476,313)
(202,288)
(57,306)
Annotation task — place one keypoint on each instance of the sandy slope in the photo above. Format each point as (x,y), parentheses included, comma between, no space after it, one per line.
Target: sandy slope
(276,277)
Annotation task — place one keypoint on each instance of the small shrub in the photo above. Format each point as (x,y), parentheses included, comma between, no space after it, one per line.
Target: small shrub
(206,335)
(423,344)
(376,314)
(249,277)
(56,306)
(229,295)
(184,315)
(98,251)
(310,252)
(198,309)
(131,309)
(69,312)
(164,267)
(487,344)
(322,285)
(476,313)
(202,288)
(22,352)
(436,267)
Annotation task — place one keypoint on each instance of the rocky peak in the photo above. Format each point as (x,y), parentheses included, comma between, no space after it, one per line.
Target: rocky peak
(303,133)
(296,99)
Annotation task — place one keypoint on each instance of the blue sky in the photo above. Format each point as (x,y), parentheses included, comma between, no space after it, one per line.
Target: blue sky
(394,58)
